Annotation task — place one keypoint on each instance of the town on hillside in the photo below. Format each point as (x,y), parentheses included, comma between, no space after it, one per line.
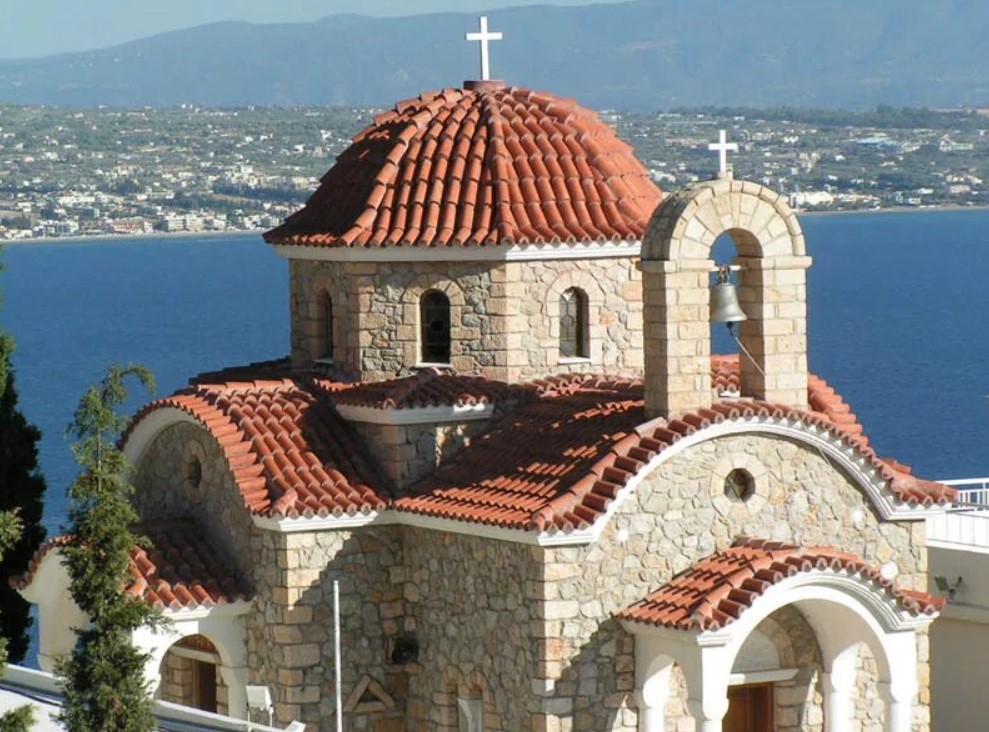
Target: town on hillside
(106,171)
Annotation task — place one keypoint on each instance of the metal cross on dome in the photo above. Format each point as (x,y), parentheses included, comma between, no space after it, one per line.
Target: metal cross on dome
(723,147)
(484,37)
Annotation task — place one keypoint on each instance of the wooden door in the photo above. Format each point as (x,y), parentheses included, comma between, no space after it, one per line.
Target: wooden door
(204,686)
(750,709)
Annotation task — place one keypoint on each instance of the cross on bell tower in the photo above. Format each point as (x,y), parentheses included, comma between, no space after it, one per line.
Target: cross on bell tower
(484,37)
(723,147)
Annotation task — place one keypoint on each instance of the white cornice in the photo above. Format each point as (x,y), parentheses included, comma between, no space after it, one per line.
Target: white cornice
(221,610)
(472,253)
(291,525)
(418,415)
(390,517)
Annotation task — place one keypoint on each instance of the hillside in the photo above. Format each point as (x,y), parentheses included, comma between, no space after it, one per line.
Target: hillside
(640,55)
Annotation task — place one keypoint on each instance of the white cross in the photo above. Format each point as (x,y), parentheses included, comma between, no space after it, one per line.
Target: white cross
(484,37)
(723,147)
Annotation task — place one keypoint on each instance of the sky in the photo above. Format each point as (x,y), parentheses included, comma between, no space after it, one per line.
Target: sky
(31,28)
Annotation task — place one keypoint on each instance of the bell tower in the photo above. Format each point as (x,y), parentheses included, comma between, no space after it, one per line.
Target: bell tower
(676,267)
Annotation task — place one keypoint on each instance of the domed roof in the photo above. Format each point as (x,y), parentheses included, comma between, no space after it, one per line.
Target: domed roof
(486,164)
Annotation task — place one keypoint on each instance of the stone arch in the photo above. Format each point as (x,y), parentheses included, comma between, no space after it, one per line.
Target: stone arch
(411,298)
(759,220)
(843,610)
(456,686)
(596,332)
(676,265)
(190,675)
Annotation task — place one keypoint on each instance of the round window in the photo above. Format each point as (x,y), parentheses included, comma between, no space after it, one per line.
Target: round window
(739,485)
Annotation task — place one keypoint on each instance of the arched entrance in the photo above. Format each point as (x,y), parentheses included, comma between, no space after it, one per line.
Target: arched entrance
(190,675)
(712,621)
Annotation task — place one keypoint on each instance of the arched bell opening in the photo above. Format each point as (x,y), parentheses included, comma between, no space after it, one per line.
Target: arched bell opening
(725,306)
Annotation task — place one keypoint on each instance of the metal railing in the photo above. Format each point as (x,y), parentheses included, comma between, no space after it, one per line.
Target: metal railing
(972,492)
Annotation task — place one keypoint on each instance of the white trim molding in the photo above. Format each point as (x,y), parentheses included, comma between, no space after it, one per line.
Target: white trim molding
(416,415)
(464,253)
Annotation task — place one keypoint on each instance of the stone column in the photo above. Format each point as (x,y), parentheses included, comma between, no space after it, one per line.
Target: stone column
(773,294)
(677,336)
(838,703)
(900,690)
(899,708)
(708,713)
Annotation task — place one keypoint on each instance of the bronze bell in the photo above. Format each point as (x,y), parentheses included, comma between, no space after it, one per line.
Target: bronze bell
(724,299)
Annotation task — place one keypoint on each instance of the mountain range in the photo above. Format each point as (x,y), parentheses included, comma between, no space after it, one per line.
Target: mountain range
(641,55)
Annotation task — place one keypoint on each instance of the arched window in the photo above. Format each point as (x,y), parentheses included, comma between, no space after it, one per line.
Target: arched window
(327,329)
(573,324)
(434,324)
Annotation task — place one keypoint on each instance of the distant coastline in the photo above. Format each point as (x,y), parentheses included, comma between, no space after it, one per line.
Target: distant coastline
(161,235)
(137,238)
(948,208)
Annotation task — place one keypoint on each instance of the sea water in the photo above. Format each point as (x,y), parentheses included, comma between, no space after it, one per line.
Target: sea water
(897,309)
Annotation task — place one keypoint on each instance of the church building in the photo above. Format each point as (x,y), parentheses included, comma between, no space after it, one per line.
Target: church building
(502,435)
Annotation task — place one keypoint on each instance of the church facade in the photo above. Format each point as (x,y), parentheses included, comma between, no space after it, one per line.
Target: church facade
(501,432)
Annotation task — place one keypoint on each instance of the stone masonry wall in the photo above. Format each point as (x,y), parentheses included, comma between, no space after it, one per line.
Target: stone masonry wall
(309,284)
(614,297)
(164,491)
(471,608)
(677,516)
(504,317)
(410,452)
(290,642)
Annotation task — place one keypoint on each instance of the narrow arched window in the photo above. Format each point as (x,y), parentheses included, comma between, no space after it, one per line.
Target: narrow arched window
(434,320)
(327,327)
(573,324)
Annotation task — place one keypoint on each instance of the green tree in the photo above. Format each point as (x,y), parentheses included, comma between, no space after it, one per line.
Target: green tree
(22,718)
(104,682)
(22,489)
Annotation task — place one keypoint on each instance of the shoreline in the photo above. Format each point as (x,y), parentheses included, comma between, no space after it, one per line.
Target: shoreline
(240,233)
(135,238)
(949,208)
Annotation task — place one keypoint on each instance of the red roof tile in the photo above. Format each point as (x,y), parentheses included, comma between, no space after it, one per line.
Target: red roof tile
(179,569)
(564,448)
(558,463)
(482,165)
(290,452)
(717,590)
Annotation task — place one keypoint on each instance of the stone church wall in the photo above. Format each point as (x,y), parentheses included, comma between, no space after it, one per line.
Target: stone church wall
(504,317)
(290,640)
(677,516)
(614,292)
(411,452)
(471,605)
(164,490)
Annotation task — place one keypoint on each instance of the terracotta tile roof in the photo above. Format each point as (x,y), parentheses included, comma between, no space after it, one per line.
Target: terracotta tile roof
(179,569)
(290,452)
(556,464)
(428,388)
(482,165)
(717,590)
(545,449)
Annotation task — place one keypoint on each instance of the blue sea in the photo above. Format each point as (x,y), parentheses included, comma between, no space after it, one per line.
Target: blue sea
(897,323)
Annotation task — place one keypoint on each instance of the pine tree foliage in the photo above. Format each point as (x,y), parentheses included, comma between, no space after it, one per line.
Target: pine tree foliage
(105,690)
(22,718)
(22,489)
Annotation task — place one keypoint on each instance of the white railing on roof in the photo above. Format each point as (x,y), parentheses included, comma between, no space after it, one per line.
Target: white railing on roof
(972,492)
(967,530)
